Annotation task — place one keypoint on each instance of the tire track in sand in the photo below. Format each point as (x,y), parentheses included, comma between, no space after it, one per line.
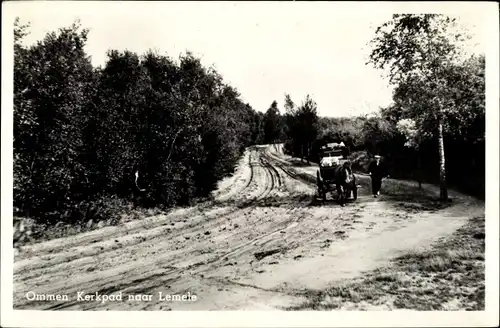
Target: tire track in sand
(268,188)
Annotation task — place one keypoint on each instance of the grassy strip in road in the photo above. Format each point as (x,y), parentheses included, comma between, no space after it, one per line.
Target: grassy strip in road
(449,276)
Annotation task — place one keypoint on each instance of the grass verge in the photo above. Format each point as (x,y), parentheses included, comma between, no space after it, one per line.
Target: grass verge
(106,212)
(449,276)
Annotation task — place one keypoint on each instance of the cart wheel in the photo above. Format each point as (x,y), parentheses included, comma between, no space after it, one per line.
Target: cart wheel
(318,184)
(320,191)
(342,199)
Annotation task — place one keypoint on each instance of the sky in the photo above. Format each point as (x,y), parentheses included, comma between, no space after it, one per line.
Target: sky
(263,49)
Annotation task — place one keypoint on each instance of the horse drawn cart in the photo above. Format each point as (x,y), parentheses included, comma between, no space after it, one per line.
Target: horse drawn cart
(335,174)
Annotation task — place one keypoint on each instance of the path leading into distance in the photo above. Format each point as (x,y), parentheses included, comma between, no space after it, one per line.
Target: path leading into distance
(258,245)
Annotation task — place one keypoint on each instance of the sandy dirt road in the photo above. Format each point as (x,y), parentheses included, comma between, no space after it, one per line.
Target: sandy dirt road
(259,245)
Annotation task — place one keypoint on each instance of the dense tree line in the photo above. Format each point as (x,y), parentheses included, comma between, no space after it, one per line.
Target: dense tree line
(143,127)
(272,125)
(439,90)
(301,127)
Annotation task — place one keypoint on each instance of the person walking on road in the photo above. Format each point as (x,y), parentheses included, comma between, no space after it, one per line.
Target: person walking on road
(376,172)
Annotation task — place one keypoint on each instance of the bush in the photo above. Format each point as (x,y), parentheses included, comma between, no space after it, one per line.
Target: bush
(142,129)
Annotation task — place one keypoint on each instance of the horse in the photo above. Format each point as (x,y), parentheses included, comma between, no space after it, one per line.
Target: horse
(345,182)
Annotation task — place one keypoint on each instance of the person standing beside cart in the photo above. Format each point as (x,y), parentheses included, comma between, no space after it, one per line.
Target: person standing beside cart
(376,171)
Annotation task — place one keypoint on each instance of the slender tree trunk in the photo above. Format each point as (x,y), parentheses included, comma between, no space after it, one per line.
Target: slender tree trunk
(443,195)
(419,169)
(308,153)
